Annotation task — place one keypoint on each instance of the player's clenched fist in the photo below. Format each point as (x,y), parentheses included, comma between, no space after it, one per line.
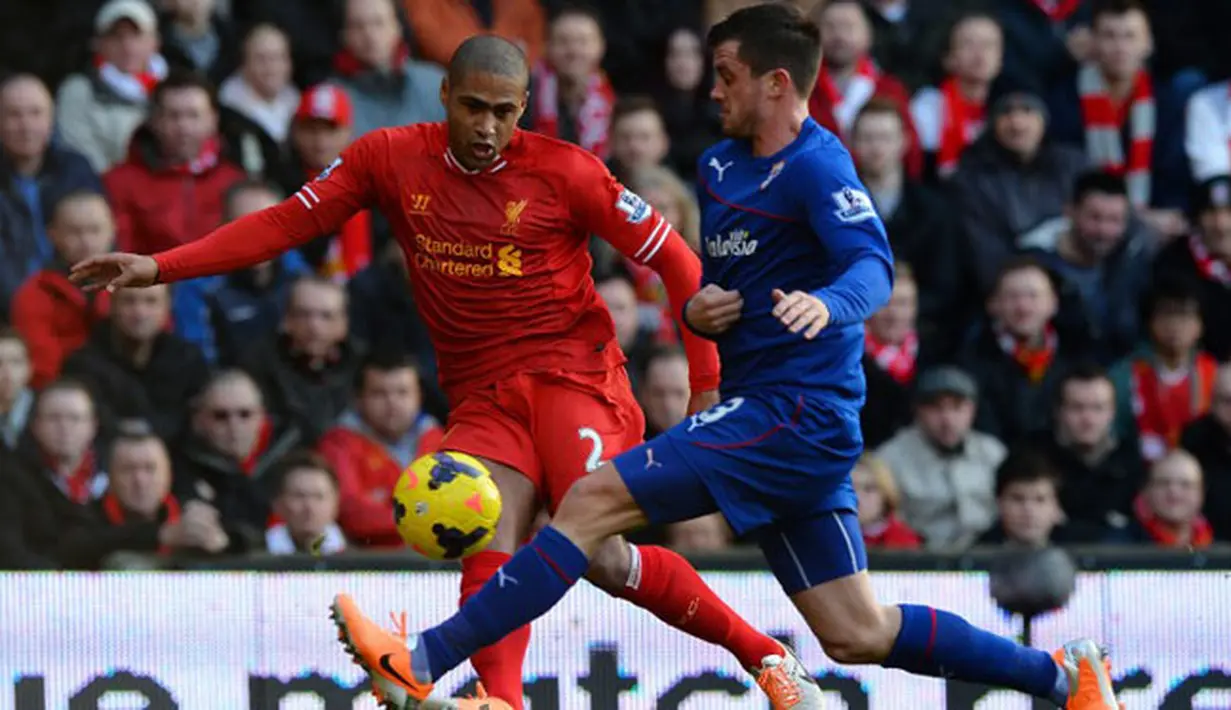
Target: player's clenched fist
(713,309)
(801,311)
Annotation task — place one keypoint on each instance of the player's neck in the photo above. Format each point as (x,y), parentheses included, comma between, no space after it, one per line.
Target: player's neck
(774,135)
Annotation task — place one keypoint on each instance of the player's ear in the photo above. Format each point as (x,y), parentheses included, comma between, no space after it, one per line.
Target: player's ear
(780,82)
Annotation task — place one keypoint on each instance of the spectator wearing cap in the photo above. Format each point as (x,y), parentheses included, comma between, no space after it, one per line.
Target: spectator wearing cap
(1100,255)
(440,26)
(944,469)
(1028,506)
(1209,439)
(221,314)
(1044,39)
(16,397)
(1011,180)
(35,173)
(321,129)
(1129,121)
(1100,471)
(386,86)
(919,220)
(1204,259)
(1018,356)
(306,504)
(849,78)
(98,111)
(54,315)
(571,97)
(262,90)
(195,36)
(879,501)
(170,189)
(951,116)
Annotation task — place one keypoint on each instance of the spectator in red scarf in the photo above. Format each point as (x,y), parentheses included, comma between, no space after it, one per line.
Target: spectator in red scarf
(1018,357)
(60,441)
(322,126)
(170,189)
(951,116)
(891,354)
(878,505)
(1169,382)
(97,111)
(1204,258)
(919,220)
(570,95)
(53,315)
(229,453)
(1168,512)
(377,438)
(1128,120)
(849,78)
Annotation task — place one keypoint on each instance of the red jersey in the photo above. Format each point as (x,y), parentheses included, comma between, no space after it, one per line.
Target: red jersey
(499,259)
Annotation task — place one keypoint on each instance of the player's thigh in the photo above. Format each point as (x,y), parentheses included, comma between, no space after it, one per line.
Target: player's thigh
(488,427)
(581,421)
(821,563)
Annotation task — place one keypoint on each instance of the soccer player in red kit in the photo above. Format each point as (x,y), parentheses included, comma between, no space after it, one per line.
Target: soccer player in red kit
(494,223)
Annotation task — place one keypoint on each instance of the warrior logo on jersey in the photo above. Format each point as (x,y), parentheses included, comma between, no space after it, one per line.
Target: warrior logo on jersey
(853,206)
(634,208)
(328,171)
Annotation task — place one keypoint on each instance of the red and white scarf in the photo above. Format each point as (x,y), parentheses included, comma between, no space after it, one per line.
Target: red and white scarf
(593,118)
(132,87)
(1211,269)
(1104,121)
(1034,360)
(1200,532)
(1058,10)
(897,360)
(859,89)
(961,123)
(207,159)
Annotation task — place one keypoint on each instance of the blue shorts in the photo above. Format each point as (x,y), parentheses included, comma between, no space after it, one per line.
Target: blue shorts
(777,465)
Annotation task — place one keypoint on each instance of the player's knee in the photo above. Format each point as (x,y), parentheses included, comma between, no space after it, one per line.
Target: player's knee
(858,641)
(597,507)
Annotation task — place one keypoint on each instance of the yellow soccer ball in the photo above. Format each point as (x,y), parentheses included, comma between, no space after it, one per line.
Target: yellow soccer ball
(446,506)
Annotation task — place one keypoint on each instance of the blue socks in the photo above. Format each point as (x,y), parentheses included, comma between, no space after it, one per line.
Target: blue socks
(525,588)
(943,645)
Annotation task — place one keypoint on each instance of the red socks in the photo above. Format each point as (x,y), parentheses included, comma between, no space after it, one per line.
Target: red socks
(666,585)
(500,665)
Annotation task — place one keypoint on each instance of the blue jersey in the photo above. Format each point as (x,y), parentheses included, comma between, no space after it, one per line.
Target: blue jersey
(798,220)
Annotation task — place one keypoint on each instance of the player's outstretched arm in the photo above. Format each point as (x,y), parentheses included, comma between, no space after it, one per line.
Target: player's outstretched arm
(319,207)
(617,214)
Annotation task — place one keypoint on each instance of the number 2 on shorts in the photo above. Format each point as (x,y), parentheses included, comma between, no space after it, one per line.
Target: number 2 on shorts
(595,459)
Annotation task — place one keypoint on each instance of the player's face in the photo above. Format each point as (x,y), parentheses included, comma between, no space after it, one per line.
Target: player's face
(736,91)
(483,110)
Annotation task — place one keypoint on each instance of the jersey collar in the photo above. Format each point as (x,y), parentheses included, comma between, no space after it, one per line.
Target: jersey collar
(500,163)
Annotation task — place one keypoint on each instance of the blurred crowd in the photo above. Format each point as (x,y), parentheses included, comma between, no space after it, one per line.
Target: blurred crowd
(1055,177)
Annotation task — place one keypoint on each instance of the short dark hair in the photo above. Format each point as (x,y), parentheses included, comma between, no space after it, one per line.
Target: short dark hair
(178,79)
(880,106)
(1024,262)
(81,193)
(299,460)
(1115,8)
(773,36)
(246,185)
(1081,372)
(134,431)
(65,384)
(384,360)
(663,352)
(1171,292)
(1025,466)
(628,105)
(488,54)
(970,16)
(1098,182)
(577,9)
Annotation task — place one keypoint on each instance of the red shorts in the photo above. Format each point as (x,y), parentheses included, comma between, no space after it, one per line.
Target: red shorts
(553,427)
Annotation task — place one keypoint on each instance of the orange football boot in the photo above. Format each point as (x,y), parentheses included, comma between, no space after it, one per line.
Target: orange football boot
(383,654)
(1089,672)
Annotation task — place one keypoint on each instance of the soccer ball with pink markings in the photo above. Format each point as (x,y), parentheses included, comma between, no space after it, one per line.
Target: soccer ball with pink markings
(446,506)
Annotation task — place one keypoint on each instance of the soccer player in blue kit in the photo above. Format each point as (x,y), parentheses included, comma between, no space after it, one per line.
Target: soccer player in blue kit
(795,259)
